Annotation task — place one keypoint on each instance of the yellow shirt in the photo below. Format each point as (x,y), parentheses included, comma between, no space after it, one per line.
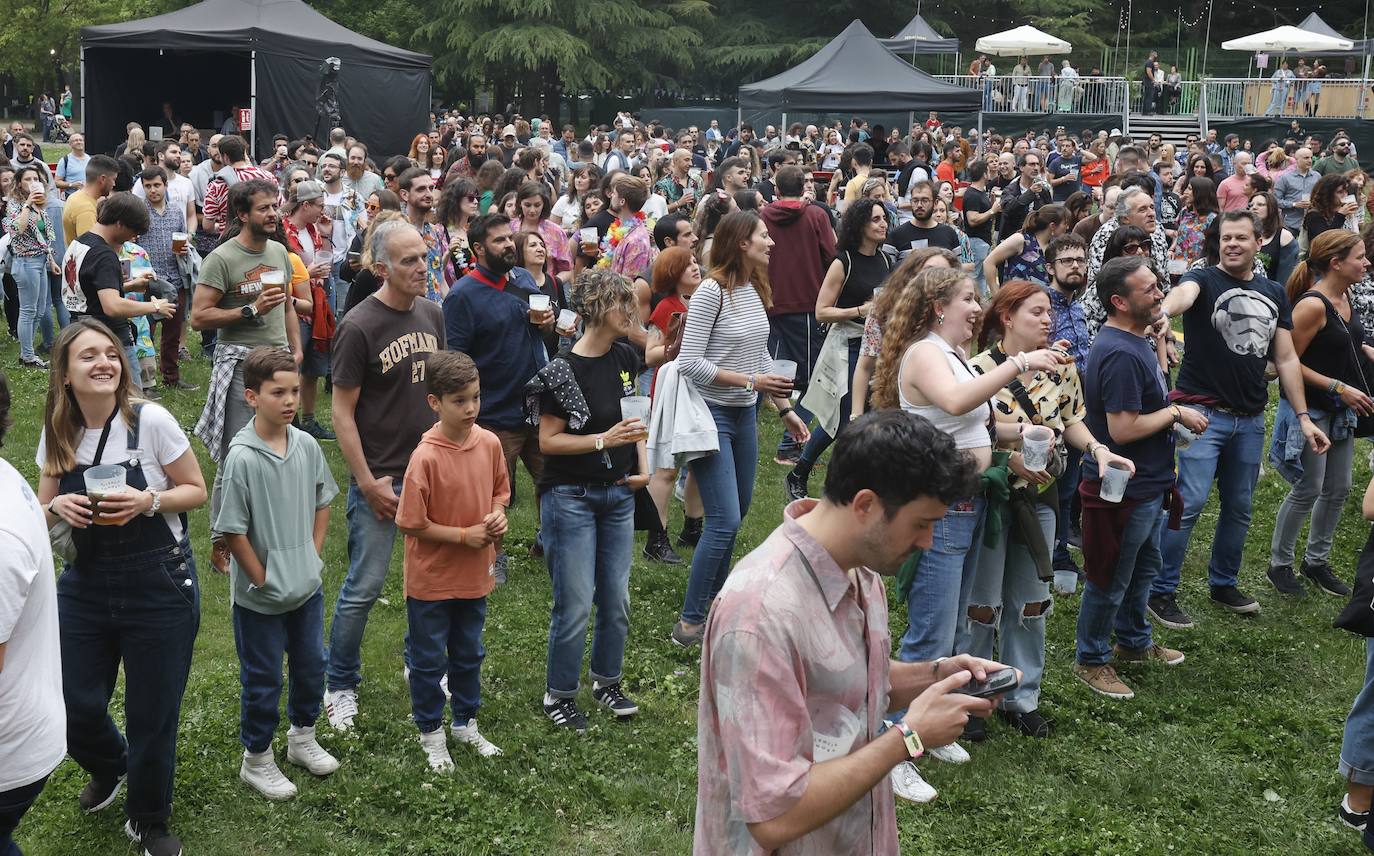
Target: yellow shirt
(855,187)
(78,215)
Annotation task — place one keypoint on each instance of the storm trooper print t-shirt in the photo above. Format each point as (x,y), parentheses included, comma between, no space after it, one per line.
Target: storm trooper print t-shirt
(1229,337)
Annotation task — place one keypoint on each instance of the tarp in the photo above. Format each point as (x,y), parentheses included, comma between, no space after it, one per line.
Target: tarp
(1313,23)
(855,74)
(1022,41)
(1288,38)
(918,37)
(383,91)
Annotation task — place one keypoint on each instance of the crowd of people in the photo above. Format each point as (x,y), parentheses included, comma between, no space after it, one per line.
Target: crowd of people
(984,332)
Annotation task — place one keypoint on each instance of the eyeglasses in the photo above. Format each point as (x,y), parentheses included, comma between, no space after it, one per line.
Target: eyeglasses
(311,162)
(1133,248)
(1073,260)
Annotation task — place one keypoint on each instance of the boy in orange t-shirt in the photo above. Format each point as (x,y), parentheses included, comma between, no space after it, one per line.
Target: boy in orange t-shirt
(453,513)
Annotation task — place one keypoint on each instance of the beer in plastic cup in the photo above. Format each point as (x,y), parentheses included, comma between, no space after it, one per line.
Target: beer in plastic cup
(636,407)
(539,302)
(272,280)
(1114,482)
(1065,582)
(103,482)
(1035,448)
(1183,436)
(567,319)
(785,368)
(179,240)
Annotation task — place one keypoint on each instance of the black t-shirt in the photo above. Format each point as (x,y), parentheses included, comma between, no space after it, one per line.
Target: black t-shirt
(1062,167)
(88,268)
(909,236)
(1230,332)
(978,201)
(604,380)
(1123,376)
(862,275)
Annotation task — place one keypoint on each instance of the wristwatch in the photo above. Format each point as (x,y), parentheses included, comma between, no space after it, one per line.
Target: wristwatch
(914,748)
(157,503)
(249,311)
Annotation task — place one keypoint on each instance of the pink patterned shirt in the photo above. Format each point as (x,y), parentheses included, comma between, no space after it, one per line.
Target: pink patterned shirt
(794,672)
(634,257)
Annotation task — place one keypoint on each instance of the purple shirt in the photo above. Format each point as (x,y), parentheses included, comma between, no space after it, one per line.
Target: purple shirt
(794,672)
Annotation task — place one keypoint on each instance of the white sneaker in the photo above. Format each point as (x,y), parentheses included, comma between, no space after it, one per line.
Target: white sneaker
(468,734)
(443,682)
(304,751)
(341,706)
(259,771)
(908,785)
(435,744)
(950,753)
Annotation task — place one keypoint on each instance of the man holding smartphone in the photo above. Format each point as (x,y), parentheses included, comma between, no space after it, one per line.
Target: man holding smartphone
(796,673)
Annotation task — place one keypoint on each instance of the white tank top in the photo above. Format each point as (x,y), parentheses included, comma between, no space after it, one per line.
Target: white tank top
(969,430)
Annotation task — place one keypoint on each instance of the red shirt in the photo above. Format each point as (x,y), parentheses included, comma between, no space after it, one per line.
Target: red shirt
(662,314)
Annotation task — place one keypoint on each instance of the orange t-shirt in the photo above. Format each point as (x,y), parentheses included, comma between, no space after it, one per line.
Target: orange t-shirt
(451,485)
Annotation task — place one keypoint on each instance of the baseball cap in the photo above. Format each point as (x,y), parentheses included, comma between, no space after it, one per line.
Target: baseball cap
(508,131)
(304,191)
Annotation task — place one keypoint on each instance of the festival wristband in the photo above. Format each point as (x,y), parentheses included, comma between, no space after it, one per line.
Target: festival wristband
(913,742)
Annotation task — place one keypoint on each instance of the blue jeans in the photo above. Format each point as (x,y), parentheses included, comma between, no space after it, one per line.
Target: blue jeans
(1320,493)
(31,275)
(1229,451)
(820,440)
(370,545)
(938,602)
(13,804)
(338,292)
(444,637)
(726,483)
(797,337)
(1067,485)
(589,534)
(261,641)
(980,249)
(1357,748)
(1006,580)
(142,611)
(1121,607)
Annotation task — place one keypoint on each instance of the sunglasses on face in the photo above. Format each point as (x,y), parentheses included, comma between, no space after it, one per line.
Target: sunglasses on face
(373,206)
(471,198)
(389,176)
(1133,249)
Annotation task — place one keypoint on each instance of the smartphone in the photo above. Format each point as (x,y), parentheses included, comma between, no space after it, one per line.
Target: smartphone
(996,684)
(355,258)
(126,268)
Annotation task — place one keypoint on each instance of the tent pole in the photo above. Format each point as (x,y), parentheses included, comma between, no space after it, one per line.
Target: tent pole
(979,150)
(253,104)
(911,124)
(83,89)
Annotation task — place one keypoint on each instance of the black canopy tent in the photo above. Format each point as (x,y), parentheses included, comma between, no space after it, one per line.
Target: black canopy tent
(263,54)
(918,37)
(855,74)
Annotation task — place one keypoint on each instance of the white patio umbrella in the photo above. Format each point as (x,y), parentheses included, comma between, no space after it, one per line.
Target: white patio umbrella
(1287,38)
(1025,40)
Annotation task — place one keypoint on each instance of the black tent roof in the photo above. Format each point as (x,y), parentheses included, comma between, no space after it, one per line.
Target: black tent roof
(283,27)
(854,72)
(920,38)
(1313,23)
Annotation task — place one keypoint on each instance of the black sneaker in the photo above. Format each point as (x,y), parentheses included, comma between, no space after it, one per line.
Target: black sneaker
(1076,536)
(153,839)
(1031,723)
(564,713)
(1322,577)
(796,485)
(1164,609)
(1281,577)
(98,795)
(150,393)
(691,531)
(975,730)
(33,363)
(316,430)
(1234,599)
(1353,819)
(182,385)
(614,699)
(1066,563)
(788,456)
(659,549)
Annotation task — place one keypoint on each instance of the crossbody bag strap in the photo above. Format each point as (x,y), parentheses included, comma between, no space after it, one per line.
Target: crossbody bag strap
(104,436)
(1018,391)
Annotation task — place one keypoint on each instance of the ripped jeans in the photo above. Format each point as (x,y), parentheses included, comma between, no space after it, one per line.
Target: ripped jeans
(1005,580)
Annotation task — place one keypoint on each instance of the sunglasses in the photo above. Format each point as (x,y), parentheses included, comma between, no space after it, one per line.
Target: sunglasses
(471,198)
(389,176)
(373,206)
(1133,248)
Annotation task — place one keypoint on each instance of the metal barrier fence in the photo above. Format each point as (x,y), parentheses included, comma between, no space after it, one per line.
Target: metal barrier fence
(1033,94)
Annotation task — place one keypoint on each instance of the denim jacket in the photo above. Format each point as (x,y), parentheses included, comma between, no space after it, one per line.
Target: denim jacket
(1285,449)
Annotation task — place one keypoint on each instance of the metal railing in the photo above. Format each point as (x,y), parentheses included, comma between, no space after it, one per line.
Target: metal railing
(1335,99)
(1006,93)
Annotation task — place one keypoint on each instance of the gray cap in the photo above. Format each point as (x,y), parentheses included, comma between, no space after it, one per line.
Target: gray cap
(305,191)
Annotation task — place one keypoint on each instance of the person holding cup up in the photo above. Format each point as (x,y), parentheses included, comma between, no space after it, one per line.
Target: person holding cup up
(129,594)
(1128,408)
(1034,411)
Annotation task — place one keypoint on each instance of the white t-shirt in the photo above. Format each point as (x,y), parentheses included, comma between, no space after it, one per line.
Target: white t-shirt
(33,718)
(566,212)
(160,442)
(180,192)
(655,207)
(342,234)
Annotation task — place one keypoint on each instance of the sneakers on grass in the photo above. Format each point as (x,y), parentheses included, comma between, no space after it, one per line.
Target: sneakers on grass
(1283,580)
(950,753)
(687,636)
(564,713)
(908,785)
(1164,609)
(153,839)
(1103,680)
(260,772)
(303,750)
(613,698)
(1323,578)
(99,794)
(341,706)
(1232,598)
(1154,654)
(1356,820)
(468,735)
(1028,722)
(435,744)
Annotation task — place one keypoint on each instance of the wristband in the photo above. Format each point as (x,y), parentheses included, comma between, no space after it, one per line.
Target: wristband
(749,387)
(49,508)
(935,667)
(786,410)
(1178,415)
(1301,414)
(913,743)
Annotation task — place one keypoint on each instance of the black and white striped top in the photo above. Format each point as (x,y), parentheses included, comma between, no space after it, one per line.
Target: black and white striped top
(732,336)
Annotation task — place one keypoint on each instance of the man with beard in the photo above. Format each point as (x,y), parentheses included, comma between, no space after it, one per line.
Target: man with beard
(205,170)
(416,189)
(229,298)
(923,231)
(342,205)
(487,316)
(1135,207)
(233,150)
(1066,259)
(473,157)
(164,220)
(795,673)
(1128,407)
(1234,321)
(1026,195)
(179,192)
(359,178)
(380,411)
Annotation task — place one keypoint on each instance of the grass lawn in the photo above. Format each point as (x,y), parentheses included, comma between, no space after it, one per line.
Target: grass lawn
(1234,751)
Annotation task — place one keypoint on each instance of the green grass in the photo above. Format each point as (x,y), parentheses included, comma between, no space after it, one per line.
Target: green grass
(1258,706)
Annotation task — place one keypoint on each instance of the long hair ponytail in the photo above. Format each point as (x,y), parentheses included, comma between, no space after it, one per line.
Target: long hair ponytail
(1329,246)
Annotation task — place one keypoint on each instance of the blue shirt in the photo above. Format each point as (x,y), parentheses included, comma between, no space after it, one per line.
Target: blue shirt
(1123,376)
(492,325)
(1070,324)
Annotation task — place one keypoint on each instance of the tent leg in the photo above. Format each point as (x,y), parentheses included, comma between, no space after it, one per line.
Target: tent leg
(253,105)
(782,126)
(739,118)
(979,150)
(82,96)
(911,124)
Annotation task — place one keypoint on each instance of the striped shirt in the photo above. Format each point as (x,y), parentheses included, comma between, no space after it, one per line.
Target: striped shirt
(733,337)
